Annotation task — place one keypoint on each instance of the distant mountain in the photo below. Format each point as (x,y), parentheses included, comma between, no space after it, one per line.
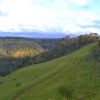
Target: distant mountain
(38,34)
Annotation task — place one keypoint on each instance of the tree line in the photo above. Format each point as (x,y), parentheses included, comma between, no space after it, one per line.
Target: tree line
(66,46)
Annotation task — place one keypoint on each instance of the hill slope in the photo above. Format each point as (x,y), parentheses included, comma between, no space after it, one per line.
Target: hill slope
(67,78)
(19,46)
(12,50)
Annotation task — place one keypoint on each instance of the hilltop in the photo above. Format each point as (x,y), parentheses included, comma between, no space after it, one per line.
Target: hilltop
(69,77)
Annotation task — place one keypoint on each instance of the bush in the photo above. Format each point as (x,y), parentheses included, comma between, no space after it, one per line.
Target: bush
(18,84)
(66,91)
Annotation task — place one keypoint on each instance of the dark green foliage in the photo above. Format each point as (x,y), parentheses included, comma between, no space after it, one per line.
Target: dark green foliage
(99,43)
(66,91)
(94,54)
(18,84)
(35,76)
(47,43)
(14,79)
(23,62)
(7,65)
(10,64)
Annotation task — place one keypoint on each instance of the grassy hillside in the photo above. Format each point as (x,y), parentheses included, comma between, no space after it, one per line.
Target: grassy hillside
(67,78)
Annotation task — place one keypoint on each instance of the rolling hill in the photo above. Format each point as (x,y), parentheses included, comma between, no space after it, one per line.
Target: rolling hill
(69,77)
(19,46)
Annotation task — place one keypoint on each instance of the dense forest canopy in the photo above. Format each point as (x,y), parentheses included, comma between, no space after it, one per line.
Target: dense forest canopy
(47,43)
(12,45)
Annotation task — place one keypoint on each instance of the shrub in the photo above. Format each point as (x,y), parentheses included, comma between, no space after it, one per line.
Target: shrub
(66,91)
(18,84)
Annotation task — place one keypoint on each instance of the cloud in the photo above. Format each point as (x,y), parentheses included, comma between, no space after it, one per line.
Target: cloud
(49,16)
(75,29)
(26,14)
(3,13)
(79,2)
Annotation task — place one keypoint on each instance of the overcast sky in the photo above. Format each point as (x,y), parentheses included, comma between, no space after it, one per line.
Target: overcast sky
(49,17)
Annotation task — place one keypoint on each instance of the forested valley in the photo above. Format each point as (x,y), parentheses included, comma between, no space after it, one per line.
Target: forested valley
(18,52)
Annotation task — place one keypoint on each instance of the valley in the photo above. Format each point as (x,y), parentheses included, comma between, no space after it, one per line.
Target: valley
(15,51)
(48,80)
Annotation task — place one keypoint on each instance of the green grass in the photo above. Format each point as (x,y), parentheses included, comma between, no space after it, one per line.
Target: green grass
(48,80)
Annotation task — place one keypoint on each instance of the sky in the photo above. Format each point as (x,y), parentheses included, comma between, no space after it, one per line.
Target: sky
(49,18)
